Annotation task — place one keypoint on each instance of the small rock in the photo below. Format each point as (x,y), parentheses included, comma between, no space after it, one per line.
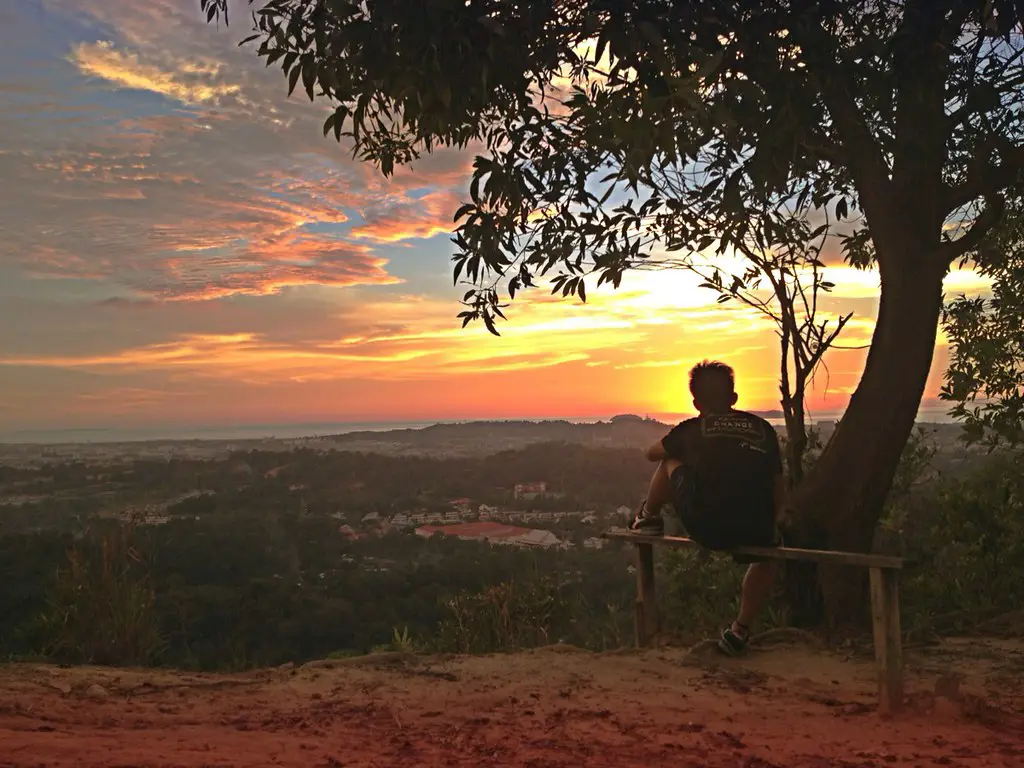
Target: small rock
(287,665)
(61,685)
(96,691)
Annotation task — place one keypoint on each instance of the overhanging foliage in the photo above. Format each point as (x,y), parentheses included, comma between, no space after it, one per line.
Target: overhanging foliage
(612,133)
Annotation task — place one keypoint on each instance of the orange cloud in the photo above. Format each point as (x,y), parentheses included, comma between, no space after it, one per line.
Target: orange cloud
(189,82)
(264,269)
(404,339)
(406,355)
(411,219)
(295,261)
(651,334)
(186,234)
(124,400)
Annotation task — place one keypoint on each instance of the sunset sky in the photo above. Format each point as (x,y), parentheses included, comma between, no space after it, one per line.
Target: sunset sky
(182,247)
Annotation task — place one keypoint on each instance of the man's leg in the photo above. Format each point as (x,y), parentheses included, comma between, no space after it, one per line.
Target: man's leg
(754,594)
(659,493)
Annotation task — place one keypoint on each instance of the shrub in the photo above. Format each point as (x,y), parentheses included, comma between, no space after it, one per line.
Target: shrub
(102,608)
(965,536)
(529,613)
(505,617)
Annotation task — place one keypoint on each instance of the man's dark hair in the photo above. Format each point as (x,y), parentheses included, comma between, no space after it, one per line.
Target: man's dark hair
(712,382)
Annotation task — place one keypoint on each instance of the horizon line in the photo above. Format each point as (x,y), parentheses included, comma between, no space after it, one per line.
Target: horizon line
(327,428)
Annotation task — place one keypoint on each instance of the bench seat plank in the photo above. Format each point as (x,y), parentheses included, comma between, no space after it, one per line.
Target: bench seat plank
(862,559)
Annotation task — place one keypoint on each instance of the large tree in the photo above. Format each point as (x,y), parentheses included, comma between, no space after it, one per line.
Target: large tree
(610,132)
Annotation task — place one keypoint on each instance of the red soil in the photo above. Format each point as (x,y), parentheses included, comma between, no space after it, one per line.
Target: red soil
(782,706)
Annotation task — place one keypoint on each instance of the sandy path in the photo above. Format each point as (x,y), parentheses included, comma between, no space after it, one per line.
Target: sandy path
(551,707)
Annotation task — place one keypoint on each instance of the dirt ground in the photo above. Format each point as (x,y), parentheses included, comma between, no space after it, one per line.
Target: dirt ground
(787,704)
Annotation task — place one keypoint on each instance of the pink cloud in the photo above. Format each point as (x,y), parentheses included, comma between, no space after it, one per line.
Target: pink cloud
(261,271)
(408,218)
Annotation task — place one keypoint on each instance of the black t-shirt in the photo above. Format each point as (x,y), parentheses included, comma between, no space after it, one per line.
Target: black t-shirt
(730,462)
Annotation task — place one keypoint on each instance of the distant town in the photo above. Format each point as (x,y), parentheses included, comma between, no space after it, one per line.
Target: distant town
(464,520)
(50,485)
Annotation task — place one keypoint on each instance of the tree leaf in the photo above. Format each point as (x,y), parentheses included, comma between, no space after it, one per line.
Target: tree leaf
(309,75)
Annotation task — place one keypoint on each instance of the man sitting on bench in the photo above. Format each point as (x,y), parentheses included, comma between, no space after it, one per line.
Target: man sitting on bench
(722,471)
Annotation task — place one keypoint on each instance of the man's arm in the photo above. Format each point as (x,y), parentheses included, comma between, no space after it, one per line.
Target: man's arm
(656,452)
(670,446)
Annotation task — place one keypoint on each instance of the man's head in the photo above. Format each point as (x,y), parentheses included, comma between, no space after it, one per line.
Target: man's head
(712,385)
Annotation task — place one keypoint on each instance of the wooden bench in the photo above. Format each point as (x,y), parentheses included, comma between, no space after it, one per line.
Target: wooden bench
(885,606)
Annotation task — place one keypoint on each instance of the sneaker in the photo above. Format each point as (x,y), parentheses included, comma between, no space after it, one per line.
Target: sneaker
(647,523)
(732,643)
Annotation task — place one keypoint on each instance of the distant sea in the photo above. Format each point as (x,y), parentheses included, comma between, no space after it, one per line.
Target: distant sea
(290,431)
(223,432)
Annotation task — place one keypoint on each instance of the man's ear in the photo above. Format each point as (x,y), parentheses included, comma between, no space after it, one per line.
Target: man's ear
(733,399)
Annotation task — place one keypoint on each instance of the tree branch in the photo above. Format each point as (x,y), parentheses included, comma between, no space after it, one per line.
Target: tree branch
(863,153)
(975,100)
(920,68)
(989,217)
(984,178)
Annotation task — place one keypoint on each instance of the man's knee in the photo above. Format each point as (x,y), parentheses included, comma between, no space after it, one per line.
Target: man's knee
(763,569)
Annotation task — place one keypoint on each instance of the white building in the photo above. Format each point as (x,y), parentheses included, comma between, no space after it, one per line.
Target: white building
(536,538)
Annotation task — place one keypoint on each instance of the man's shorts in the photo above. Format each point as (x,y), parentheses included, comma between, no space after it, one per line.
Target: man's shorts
(712,534)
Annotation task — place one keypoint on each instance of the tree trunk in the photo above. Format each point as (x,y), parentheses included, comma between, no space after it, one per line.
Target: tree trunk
(800,580)
(796,437)
(839,503)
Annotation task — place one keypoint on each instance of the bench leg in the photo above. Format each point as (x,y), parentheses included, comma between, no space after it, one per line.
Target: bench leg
(885,620)
(646,603)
